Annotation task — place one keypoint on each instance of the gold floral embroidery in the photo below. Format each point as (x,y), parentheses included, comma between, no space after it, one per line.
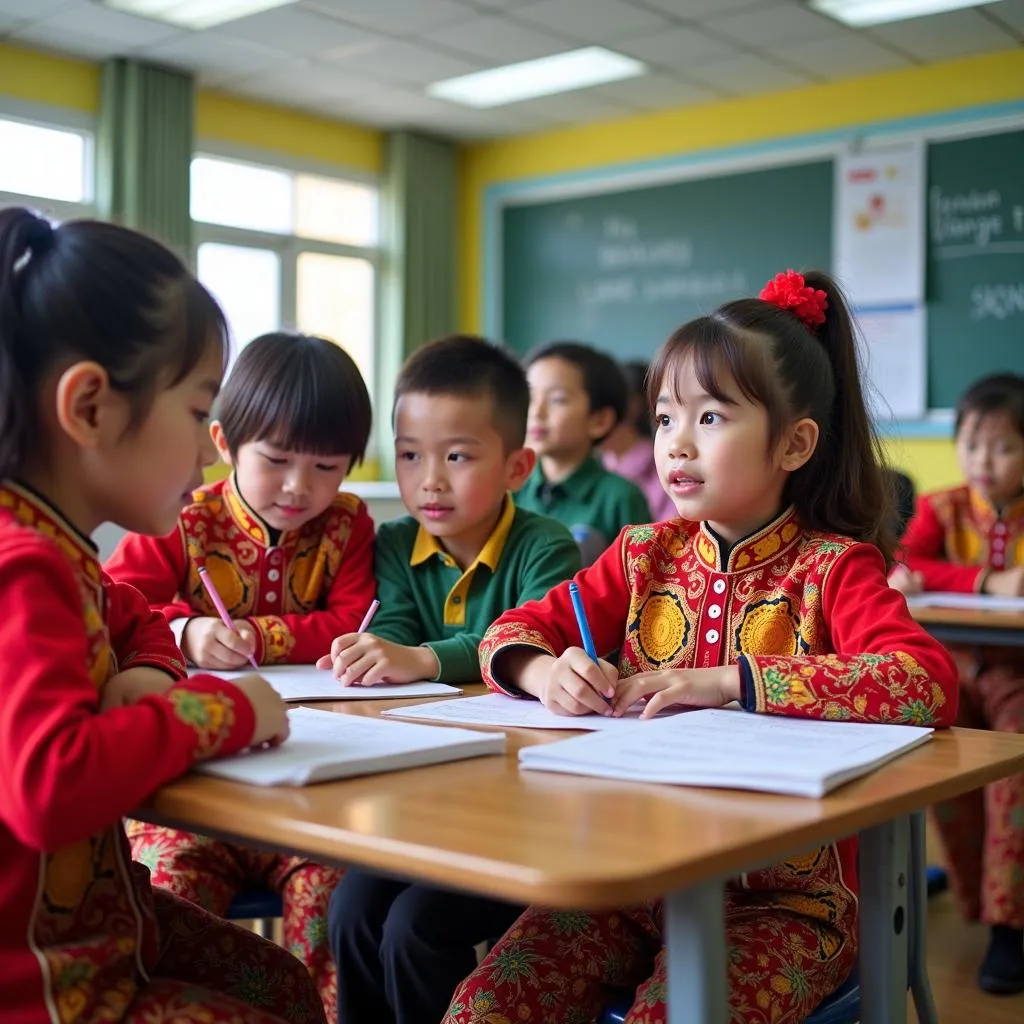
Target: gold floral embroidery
(211,715)
(662,628)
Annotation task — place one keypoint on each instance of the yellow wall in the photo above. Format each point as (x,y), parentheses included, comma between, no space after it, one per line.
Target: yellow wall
(976,81)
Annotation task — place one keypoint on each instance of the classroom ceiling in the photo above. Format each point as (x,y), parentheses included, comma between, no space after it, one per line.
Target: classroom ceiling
(369,61)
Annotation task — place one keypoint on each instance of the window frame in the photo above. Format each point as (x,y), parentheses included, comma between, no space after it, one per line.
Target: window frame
(289,247)
(41,115)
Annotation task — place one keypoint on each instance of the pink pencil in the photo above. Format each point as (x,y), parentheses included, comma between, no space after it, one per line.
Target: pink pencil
(368,617)
(221,610)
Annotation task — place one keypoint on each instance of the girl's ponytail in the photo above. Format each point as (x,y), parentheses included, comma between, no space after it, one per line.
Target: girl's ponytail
(24,240)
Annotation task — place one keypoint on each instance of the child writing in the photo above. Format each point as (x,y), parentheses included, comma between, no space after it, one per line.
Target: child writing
(577,397)
(463,556)
(629,449)
(292,559)
(110,357)
(971,539)
(769,590)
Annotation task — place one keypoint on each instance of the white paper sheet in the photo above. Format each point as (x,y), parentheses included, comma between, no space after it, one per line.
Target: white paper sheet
(974,602)
(298,683)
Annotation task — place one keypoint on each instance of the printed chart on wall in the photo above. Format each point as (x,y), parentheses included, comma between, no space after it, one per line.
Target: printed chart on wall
(623,270)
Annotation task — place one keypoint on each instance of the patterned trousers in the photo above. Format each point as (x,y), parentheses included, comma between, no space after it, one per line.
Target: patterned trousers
(213,972)
(982,832)
(566,967)
(210,873)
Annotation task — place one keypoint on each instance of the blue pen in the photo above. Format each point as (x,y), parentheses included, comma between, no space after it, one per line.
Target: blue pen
(581,620)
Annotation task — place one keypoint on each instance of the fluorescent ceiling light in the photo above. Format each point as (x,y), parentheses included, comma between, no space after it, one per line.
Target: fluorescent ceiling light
(195,14)
(861,13)
(563,72)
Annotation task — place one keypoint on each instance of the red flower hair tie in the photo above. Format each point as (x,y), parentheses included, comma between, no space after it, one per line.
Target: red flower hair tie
(789,291)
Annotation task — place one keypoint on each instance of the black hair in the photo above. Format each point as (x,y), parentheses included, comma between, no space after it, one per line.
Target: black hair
(299,392)
(778,362)
(635,373)
(468,366)
(1002,392)
(904,499)
(603,379)
(93,291)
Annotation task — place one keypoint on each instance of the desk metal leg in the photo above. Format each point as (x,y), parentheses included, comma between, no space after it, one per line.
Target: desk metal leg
(924,1002)
(695,936)
(884,921)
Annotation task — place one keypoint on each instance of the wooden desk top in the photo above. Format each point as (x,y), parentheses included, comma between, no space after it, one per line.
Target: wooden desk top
(538,837)
(969,617)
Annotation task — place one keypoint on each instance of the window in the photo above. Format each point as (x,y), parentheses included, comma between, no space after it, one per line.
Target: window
(42,162)
(288,248)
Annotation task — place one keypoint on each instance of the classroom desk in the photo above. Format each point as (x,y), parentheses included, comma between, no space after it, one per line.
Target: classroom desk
(972,626)
(568,841)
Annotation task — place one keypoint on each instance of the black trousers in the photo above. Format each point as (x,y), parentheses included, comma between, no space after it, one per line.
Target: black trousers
(402,948)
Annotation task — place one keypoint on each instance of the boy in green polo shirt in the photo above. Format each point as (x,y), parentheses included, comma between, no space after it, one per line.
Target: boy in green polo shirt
(464,555)
(577,397)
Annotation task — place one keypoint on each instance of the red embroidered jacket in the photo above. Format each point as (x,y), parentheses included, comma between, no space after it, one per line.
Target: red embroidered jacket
(298,592)
(77,933)
(956,538)
(808,616)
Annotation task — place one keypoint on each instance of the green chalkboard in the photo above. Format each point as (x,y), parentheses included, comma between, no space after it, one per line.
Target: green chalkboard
(623,270)
(975,277)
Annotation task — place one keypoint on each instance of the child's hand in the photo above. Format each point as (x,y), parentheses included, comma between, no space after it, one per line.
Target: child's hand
(208,643)
(573,683)
(362,659)
(270,710)
(905,581)
(132,684)
(1007,583)
(693,687)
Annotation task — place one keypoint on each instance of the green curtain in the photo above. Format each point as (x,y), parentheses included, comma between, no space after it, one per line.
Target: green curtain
(418,211)
(144,150)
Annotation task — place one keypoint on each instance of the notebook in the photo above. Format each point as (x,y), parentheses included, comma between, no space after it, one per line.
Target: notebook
(510,713)
(308,683)
(732,750)
(979,602)
(324,745)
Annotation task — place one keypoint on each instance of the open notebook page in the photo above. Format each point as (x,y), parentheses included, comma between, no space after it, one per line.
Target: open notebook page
(978,602)
(325,745)
(732,749)
(308,683)
(510,712)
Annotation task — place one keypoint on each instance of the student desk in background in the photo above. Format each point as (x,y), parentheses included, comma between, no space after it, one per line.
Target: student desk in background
(973,626)
(569,841)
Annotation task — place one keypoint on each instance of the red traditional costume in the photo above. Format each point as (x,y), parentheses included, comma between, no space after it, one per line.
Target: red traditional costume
(83,937)
(817,633)
(298,590)
(955,539)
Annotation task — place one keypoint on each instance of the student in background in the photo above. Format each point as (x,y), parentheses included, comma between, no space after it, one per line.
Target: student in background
(971,539)
(464,555)
(110,356)
(775,566)
(292,559)
(629,449)
(577,397)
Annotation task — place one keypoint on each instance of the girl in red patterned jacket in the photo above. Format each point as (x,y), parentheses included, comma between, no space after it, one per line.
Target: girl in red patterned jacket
(292,558)
(110,356)
(769,590)
(970,539)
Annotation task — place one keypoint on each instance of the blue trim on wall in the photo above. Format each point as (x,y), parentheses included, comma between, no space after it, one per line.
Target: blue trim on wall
(495,197)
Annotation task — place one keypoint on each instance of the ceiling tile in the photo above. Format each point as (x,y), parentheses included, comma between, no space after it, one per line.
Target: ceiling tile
(399,61)
(774,24)
(61,42)
(303,33)
(33,10)
(118,32)
(572,107)
(678,48)
(945,36)
(745,74)
(503,5)
(700,8)
(655,92)
(494,39)
(482,124)
(842,55)
(217,59)
(596,21)
(399,17)
(300,85)
(1009,12)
